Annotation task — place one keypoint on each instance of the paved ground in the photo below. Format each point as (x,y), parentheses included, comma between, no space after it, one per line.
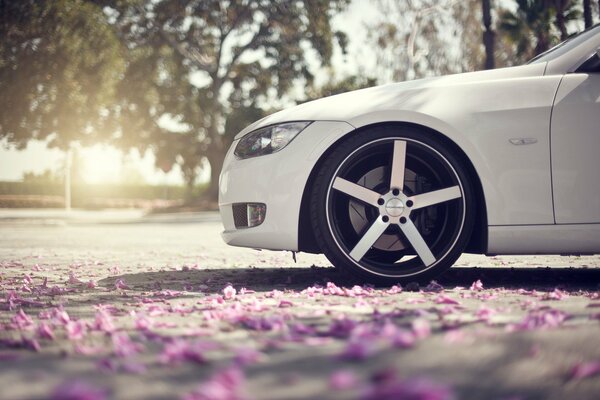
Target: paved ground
(118,306)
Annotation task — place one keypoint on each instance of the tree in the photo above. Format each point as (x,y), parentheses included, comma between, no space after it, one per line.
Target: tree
(333,87)
(531,28)
(467,17)
(216,63)
(565,11)
(424,37)
(46,176)
(59,66)
(587,13)
(489,36)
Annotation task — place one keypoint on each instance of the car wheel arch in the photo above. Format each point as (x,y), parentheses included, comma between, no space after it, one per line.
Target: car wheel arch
(478,241)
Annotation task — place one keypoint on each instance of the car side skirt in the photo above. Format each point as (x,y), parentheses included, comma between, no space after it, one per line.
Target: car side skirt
(572,239)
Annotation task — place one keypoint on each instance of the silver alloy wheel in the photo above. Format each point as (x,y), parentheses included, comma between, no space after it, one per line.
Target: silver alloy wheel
(394,209)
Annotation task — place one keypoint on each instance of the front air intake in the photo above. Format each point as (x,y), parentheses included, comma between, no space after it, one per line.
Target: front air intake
(240,215)
(248,215)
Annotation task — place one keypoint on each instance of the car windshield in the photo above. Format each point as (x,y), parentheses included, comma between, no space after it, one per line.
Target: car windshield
(565,46)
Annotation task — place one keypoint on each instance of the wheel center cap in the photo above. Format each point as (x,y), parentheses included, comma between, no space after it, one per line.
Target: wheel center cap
(394,207)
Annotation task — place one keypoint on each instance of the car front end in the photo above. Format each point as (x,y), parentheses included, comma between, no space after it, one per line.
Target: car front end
(263,179)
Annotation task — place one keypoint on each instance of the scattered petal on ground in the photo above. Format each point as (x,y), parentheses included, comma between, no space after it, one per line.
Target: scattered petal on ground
(585,370)
(227,384)
(120,284)
(229,292)
(342,380)
(78,390)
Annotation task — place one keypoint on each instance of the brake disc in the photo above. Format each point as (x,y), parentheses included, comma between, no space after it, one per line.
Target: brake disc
(360,215)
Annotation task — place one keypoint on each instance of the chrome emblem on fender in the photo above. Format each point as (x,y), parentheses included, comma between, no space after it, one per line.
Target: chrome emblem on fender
(522,141)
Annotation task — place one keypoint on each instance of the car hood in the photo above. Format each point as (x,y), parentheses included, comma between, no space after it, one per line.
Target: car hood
(395,96)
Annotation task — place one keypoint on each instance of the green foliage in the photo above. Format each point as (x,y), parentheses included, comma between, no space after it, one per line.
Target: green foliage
(125,70)
(333,87)
(44,191)
(537,25)
(212,65)
(59,65)
(415,39)
(47,176)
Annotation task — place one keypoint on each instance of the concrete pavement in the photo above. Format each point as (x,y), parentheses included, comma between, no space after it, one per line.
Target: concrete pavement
(127,306)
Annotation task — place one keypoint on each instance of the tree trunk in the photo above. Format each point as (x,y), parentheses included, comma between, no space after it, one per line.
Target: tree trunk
(560,19)
(542,45)
(68,165)
(489,36)
(215,158)
(587,13)
(216,149)
(190,184)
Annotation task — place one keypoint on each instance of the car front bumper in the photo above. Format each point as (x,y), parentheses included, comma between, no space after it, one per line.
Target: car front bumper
(277,180)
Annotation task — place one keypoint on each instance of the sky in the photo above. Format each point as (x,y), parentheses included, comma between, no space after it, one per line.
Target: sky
(104,164)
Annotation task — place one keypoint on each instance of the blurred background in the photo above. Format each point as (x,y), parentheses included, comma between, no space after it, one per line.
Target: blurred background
(132,104)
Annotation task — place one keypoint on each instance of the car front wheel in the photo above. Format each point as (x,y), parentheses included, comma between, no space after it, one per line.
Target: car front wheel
(392,204)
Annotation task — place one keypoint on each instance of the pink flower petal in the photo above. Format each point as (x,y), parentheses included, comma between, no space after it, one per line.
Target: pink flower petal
(22,321)
(477,286)
(421,328)
(143,323)
(541,319)
(585,370)
(455,336)
(78,390)
(357,350)
(87,350)
(133,367)
(45,331)
(342,328)
(60,316)
(123,346)
(343,380)
(285,304)
(416,389)
(229,292)
(227,384)
(556,294)
(247,356)
(103,321)
(394,289)
(73,279)
(404,339)
(485,313)
(434,287)
(180,350)
(76,330)
(443,299)
(120,284)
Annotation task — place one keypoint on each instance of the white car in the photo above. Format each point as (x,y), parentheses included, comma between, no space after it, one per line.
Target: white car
(394,182)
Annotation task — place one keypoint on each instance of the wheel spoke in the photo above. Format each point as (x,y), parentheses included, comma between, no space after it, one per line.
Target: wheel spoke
(417,242)
(398,163)
(369,239)
(435,197)
(354,190)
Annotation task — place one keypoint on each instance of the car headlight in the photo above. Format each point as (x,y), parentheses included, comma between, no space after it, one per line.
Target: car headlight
(269,139)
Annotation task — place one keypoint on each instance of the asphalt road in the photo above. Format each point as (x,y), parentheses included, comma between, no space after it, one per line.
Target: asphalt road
(125,306)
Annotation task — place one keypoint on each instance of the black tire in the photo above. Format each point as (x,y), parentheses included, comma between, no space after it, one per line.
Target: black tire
(368,235)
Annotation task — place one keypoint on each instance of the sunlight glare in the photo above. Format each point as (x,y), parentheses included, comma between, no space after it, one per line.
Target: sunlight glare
(101,164)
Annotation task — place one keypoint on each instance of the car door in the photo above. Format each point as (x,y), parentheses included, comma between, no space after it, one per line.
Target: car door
(575,146)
